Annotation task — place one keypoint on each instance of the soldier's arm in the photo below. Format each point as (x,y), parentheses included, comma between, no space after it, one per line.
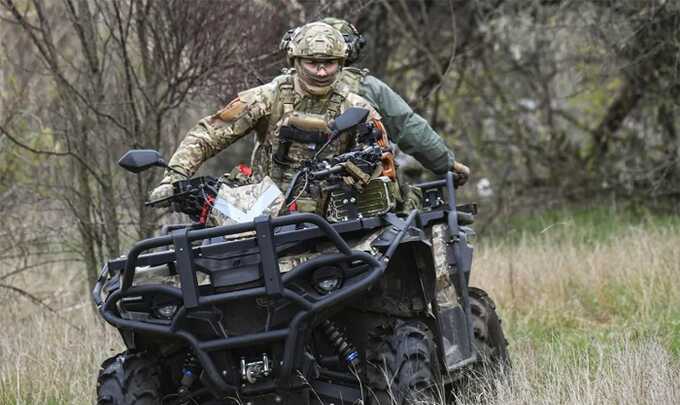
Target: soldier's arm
(214,133)
(409,130)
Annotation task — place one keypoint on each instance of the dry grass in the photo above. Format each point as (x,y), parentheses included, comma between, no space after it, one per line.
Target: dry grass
(626,373)
(43,359)
(589,322)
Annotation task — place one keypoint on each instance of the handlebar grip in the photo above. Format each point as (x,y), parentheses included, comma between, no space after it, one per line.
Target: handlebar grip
(465,218)
(154,202)
(326,172)
(438,183)
(168,198)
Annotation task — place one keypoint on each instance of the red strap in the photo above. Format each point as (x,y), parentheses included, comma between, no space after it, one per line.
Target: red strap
(205,210)
(245,169)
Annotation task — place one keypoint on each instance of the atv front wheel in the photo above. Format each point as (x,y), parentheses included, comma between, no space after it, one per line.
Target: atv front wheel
(402,365)
(129,379)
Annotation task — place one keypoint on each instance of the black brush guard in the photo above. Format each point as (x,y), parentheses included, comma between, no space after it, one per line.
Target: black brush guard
(275,283)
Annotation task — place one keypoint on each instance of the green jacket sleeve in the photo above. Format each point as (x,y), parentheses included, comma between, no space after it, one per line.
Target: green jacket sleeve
(406,128)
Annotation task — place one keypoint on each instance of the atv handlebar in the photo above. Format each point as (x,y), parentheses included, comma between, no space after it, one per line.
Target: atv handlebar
(441,183)
(168,198)
(320,174)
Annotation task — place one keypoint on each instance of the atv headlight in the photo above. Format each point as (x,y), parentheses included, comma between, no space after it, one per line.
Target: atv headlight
(328,279)
(328,285)
(166,311)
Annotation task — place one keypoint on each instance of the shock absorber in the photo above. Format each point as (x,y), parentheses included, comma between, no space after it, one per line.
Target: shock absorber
(345,349)
(190,370)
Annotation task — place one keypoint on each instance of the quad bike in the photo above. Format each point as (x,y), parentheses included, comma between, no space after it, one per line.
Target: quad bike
(261,305)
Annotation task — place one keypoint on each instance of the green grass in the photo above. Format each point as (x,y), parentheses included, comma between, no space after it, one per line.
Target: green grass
(591,304)
(590,224)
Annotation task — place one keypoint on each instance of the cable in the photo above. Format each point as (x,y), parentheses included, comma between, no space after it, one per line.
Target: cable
(302,191)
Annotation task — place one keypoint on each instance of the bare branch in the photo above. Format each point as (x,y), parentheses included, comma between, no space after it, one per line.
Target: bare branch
(37,301)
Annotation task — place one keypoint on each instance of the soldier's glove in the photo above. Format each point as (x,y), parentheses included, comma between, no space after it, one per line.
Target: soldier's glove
(163,191)
(462,173)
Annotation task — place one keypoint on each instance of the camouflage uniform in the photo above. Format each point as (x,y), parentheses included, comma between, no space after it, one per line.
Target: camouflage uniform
(265,109)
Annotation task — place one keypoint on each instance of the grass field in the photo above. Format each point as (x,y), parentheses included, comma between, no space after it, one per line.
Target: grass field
(590,302)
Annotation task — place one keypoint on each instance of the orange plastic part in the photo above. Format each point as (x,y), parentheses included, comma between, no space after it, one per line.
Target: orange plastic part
(389,167)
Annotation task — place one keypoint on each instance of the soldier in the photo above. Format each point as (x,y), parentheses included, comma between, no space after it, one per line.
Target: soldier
(406,128)
(312,89)
(413,135)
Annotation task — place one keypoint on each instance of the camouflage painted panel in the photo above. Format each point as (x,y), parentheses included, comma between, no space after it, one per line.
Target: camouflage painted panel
(439,243)
(446,294)
(242,204)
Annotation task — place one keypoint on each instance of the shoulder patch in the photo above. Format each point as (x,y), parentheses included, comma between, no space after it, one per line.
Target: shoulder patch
(249,96)
(231,111)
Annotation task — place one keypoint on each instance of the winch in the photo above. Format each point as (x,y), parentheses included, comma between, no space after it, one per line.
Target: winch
(255,370)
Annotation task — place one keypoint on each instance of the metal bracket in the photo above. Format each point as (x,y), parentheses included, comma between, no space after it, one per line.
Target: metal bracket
(187,276)
(269,266)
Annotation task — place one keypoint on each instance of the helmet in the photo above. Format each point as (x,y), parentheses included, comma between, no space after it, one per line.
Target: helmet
(285,40)
(317,40)
(354,40)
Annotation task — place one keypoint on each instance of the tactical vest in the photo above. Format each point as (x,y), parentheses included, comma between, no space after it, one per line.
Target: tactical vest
(287,102)
(351,77)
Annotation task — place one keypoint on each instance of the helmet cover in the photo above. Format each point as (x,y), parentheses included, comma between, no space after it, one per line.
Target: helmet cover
(353,38)
(317,40)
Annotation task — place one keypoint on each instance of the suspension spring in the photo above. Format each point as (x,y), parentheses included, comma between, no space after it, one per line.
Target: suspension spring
(190,370)
(345,349)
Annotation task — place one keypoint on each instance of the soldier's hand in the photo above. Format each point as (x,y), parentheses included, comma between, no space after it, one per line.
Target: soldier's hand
(462,173)
(162,191)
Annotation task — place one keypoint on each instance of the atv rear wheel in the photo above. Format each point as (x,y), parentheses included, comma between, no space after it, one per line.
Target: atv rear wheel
(402,365)
(129,379)
(477,381)
(489,339)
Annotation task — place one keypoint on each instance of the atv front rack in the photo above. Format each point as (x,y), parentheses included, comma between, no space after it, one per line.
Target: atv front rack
(275,284)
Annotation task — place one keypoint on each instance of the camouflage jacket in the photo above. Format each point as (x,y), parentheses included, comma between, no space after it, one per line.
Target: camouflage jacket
(265,109)
(406,128)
